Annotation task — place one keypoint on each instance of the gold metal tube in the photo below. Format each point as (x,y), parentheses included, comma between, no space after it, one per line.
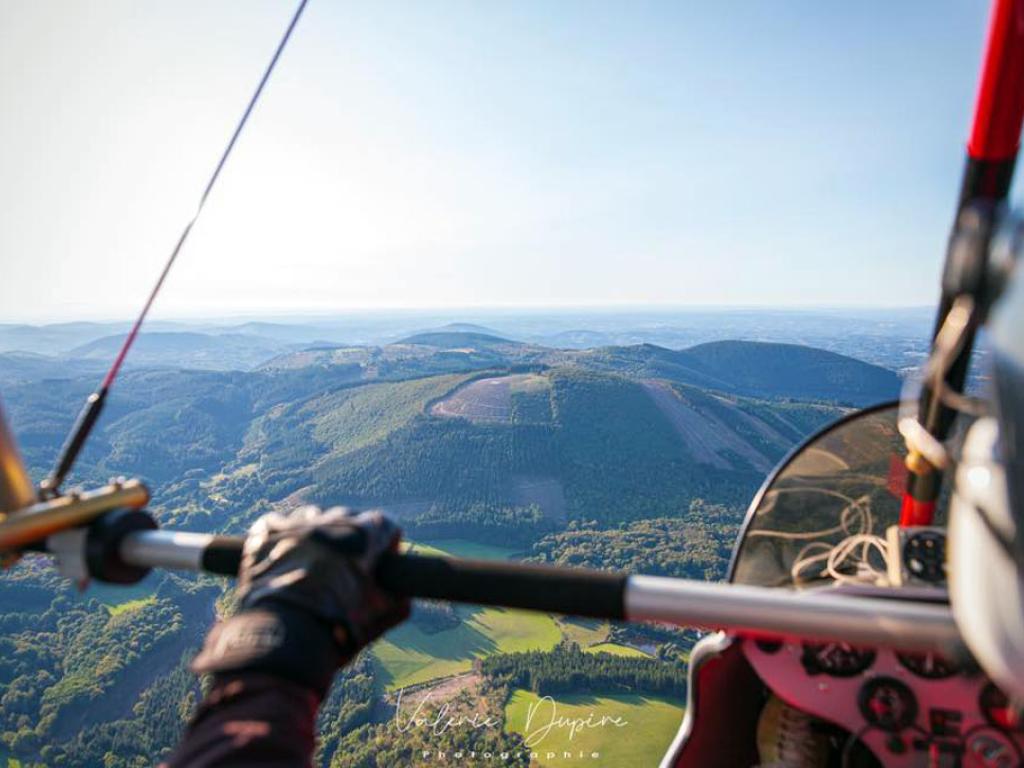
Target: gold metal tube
(16,489)
(36,522)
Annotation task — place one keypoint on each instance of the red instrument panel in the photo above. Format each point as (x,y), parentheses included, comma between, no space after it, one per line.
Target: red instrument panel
(908,709)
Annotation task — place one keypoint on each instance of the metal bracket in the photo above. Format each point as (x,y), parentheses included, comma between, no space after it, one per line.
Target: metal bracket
(34,524)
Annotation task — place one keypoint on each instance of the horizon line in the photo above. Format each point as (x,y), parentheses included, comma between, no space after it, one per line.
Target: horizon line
(298,315)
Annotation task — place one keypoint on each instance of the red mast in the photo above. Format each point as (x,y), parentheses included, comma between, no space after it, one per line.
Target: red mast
(991,155)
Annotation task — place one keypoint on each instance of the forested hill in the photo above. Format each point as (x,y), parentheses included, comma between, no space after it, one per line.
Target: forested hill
(564,443)
(460,427)
(456,339)
(790,370)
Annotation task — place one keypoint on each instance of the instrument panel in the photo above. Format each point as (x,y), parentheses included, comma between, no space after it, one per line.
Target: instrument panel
(909,709)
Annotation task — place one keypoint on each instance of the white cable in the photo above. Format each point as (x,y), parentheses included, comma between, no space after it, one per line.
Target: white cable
(857,522)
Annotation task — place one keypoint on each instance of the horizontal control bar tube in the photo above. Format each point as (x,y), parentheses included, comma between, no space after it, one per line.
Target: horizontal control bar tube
(822,614)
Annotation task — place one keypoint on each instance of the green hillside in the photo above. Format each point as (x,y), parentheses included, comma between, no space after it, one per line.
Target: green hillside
(587,446)
(794,371)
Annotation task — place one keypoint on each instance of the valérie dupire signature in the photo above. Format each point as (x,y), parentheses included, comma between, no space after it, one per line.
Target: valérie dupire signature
(439,720)
(542,718)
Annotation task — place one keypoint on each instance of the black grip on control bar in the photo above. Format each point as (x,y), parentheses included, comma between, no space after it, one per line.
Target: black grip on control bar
(581,592)
(223,555)
(578,591)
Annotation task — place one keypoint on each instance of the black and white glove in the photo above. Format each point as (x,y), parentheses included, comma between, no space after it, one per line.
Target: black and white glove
(307,594)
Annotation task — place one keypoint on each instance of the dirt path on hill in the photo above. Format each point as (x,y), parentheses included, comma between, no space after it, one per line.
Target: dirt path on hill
(705,436)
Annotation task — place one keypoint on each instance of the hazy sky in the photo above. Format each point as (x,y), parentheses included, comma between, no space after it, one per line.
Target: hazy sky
(475,153)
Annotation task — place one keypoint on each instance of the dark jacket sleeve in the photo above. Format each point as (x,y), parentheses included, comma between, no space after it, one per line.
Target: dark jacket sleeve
(250,719)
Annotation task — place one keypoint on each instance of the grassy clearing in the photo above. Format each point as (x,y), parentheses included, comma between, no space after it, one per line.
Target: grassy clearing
(116,594)
(531,400)
(350,419)
(131,605)
(617,650)
(246,470)
(530,382)
(408,656)
(648,725)
(586,632)
(515,631)
(463,548)
(420,548)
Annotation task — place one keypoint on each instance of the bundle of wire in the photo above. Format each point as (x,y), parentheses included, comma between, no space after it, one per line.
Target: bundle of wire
(849,560)
(846,561)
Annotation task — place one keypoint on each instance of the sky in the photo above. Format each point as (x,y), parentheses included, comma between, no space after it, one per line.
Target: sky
(468,153)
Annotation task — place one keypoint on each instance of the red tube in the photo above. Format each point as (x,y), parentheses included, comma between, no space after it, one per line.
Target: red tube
(914,512)
(999,111)
(991,156)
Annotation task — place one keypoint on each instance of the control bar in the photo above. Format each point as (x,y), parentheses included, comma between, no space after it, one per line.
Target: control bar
(818,614)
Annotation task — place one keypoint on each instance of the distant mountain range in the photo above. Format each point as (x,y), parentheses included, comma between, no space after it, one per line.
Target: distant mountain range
(27,366)
(181,349)
(745,368)
(895,339)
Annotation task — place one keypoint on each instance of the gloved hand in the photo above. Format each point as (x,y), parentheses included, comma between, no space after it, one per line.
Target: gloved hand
(307,595)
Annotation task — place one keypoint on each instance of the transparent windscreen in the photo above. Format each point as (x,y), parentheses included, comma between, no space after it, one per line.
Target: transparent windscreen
(824,516)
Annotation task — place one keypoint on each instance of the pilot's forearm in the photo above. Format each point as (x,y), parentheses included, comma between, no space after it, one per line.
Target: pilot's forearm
(250,719)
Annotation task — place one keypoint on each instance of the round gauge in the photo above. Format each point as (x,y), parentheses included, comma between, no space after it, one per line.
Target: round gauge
(996,708)
(990,748)
(888,703)
(836,659)
(925,555)
(931,666)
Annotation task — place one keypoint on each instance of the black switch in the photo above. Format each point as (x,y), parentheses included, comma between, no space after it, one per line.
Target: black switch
(945,722)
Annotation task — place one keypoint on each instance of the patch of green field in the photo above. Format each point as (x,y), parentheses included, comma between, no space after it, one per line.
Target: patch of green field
(131,605)
(420,548)
(616,650)
(646,726)
(116,594)
(408,656)
(584,631)
(246,470)
(515,631)
(463,548)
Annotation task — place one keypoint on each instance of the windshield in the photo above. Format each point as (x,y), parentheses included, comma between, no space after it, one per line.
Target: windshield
(823,517)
